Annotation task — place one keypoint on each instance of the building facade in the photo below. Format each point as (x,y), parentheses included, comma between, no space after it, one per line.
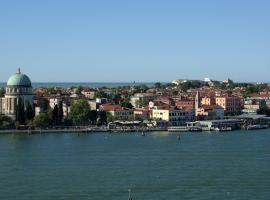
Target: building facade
(175,117)
(231,104)
(19,87)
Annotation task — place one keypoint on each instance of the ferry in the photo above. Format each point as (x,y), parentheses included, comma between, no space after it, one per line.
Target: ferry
(255,127)
(178,129)
(195,129)
(223,129)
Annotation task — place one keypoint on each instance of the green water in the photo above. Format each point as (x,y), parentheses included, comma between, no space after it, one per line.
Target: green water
(216,166)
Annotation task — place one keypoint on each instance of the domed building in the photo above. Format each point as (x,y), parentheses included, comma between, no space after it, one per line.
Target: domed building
(18,87)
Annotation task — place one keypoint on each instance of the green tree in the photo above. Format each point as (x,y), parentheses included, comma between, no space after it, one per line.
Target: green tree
(20,112)
(42,120)
(126,104)
(30,112)
(157,85)
(79,90)
(2,92)
(55,118)
(79,112)
(102,118)
(60,112)
(264,110)
(93,115)
(45,105)
(109,118)
(5,121)
(190,85)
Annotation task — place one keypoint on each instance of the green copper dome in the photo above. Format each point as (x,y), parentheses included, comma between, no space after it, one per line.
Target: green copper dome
(19,79)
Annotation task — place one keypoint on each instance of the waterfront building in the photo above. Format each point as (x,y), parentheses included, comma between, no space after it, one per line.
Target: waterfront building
(141,114)
(175,117)
(211,111)
(231,104)
(118,112)
(19,87)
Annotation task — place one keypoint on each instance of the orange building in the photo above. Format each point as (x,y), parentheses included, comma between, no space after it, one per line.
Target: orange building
(231,104)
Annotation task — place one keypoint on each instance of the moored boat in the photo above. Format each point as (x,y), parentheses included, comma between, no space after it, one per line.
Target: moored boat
(257,126)
(178,129)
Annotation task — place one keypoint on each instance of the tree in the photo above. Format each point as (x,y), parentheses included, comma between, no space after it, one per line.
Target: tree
(42,120)
(93,115)
(2,92)
(264,110)
(142,103)
(5,121)
(55,118)
(110,118)
(157,85)
(45,105)
(30,112)
(60,112)
(102,117)
(126,104)
(20,112)
(190,85)
(79,112)
(79,90)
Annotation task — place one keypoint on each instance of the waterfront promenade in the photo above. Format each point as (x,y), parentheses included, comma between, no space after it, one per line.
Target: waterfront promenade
(106,129)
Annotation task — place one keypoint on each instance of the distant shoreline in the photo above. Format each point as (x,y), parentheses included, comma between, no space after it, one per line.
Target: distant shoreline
(85,84)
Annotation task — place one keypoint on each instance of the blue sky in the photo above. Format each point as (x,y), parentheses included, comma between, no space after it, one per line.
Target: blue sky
(135,40)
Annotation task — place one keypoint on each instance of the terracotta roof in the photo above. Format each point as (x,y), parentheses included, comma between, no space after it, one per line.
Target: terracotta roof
(264,95)
(111,107)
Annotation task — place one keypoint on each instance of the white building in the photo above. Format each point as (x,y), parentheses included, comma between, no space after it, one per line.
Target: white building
(18,87)
(140,98)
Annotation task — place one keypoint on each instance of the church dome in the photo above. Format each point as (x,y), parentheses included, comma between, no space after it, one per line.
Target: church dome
(20,80)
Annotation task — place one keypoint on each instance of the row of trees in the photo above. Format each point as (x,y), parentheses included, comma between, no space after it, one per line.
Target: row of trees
(80,114)
(24,115)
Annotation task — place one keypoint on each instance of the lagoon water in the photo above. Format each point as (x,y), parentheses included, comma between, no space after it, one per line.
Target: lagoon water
(202,166)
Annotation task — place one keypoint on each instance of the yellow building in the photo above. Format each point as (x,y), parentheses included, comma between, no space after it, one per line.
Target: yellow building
(175,117)
(208,101)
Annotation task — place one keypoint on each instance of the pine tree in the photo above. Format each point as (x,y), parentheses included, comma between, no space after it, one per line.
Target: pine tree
(55,115)
(20,113)
(29,113)
(60,112)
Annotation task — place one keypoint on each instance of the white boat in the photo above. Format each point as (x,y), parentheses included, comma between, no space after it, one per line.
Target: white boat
(178,129)
(223,129)
(255,127)
(195,129)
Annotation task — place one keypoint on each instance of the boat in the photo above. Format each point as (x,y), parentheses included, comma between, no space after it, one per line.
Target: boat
(195,129)
(178,129)
(223,129)
(256,127)
(129,195)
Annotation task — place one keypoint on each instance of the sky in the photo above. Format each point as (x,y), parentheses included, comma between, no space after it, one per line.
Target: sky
(135,40)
